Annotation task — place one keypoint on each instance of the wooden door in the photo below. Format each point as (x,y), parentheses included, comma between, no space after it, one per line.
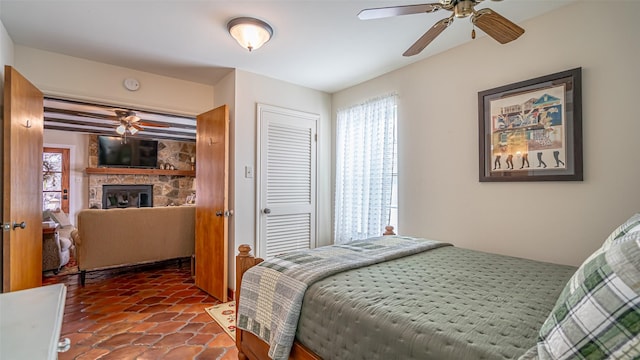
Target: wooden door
(21,183)
(212,188)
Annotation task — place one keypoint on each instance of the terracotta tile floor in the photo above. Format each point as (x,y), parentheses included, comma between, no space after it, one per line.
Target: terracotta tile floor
(153,312)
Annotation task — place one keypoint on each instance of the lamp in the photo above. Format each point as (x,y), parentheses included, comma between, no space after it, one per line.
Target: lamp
(249,32)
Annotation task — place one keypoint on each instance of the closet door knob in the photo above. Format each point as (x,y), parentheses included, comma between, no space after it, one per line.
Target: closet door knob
(266,211)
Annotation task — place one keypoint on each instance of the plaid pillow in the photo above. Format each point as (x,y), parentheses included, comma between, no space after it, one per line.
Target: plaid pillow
(600,318)
(623,229)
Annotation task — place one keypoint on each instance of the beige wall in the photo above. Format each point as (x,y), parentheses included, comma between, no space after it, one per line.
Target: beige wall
(225,91)
(440,196)
(69,77)
(242,91)
(6,57)
(252,89)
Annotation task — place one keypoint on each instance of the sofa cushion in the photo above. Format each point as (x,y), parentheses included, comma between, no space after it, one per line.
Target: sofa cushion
(600,316)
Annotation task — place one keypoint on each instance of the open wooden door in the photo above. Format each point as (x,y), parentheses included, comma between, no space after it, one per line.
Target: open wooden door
(212,205)
(22,138)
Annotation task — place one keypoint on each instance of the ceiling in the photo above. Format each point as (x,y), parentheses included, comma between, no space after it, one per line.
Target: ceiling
(100,119)
(316,44)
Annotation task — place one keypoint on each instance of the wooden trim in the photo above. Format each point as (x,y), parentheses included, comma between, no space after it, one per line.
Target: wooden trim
(251,347)
(133,171)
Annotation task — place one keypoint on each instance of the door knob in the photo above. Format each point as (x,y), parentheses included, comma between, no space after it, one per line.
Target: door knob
(266,211)
(219,213)
(22,225)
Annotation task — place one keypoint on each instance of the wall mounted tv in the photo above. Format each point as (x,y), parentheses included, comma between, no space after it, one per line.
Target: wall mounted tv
(135,153)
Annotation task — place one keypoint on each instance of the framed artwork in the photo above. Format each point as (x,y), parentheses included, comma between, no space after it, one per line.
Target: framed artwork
(532,130)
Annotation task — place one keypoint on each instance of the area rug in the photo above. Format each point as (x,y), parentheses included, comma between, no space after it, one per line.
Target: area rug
(225,316)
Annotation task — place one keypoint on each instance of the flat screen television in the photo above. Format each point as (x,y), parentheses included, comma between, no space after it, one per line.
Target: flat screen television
(135,153)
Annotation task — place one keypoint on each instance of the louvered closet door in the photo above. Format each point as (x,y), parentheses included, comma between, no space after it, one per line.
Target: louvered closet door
(286,180)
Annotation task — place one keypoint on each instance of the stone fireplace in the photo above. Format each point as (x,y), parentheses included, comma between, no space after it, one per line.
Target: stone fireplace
(122,196)
(166,188)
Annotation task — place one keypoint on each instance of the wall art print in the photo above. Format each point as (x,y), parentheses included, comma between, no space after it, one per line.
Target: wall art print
(531,130)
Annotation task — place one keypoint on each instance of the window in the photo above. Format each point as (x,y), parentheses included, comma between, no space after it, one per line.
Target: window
(366,169)
(55,175)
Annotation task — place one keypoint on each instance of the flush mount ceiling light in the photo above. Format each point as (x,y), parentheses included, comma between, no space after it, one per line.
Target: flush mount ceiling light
(250,33)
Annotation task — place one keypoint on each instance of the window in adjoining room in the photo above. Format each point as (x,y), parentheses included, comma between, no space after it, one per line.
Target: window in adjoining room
(366,169)
(55,176)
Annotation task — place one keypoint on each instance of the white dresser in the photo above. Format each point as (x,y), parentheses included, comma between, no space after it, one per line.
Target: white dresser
(30,322)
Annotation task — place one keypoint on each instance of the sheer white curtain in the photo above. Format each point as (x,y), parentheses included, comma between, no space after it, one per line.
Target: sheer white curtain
(365,157)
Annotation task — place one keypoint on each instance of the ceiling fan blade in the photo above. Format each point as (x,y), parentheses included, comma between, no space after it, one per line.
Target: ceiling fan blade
(428,37)
(152,124)
(378,13)
(497,26)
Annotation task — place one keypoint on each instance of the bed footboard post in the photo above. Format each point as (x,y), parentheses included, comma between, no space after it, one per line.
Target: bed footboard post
(244,261)
(388,230)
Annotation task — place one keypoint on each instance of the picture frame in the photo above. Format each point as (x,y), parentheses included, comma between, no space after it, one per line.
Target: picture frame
(532,130)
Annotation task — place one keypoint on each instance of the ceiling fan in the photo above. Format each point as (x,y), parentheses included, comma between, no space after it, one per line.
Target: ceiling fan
(489,21)
(129,122)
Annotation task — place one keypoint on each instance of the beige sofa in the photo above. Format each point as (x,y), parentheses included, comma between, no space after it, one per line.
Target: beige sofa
(130,236)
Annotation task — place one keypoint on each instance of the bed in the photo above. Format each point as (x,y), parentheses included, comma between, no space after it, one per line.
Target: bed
(445,302)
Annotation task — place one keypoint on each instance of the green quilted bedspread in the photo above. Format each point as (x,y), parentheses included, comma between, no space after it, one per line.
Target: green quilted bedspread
(446,303)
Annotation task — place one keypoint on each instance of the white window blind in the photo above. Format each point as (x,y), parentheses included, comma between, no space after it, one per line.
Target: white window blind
(365,165)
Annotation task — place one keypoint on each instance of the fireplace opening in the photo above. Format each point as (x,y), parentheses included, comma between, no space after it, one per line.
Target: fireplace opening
(123,196)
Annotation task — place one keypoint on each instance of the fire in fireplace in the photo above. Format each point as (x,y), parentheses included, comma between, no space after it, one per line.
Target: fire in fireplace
(123,196)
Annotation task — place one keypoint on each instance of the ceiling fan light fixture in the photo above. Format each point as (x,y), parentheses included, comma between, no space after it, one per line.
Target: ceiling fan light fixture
(133,130)
(121,129)
(249,32)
